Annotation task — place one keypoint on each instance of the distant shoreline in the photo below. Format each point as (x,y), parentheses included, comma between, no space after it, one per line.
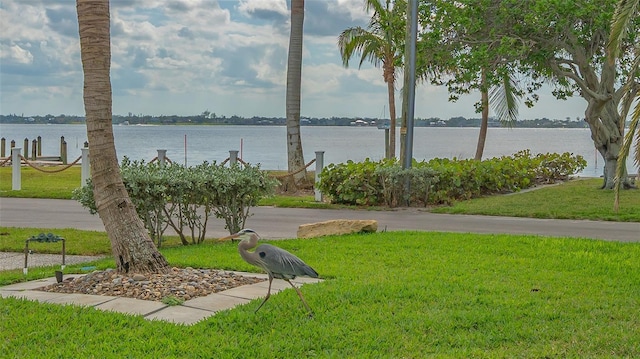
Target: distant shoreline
(519,124)
(211,119)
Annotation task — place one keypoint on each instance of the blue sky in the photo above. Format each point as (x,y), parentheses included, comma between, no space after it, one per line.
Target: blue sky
(187,56)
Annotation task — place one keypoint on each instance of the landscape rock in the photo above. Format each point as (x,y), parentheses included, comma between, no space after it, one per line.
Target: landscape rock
(337,227)
(138,277)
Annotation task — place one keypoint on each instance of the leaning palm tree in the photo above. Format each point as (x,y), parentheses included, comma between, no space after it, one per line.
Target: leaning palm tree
(381,43)
(503,97)
(295,155)
(626,13)
(464,48)
(131,245)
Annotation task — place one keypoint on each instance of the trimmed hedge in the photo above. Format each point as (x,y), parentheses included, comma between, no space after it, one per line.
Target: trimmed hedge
(442,180)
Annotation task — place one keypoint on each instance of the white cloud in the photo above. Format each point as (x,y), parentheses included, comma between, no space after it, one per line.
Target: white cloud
(185,56)
(321,79)
(22,21)
(16,54)
(251,7)
(355,9)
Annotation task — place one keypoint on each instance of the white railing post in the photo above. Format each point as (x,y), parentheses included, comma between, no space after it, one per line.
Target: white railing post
(85,170)
(15,169)
(233,157)
(319,167)
(162,155)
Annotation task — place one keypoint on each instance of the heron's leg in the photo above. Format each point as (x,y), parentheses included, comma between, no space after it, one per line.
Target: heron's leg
(300,295)
(268,294)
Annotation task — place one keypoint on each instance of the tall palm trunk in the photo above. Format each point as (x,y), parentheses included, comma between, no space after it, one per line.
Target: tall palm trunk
(482,136)
(131,245)
(295,155)
(389,78)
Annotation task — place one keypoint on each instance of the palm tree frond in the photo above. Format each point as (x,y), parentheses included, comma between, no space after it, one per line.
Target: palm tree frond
(357,40)
(375,5)
(620,24)
(634,127)
(504,100)
(634,131)
(624,15)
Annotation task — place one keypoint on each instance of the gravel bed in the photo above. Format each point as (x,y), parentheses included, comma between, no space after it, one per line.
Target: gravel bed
(183,283)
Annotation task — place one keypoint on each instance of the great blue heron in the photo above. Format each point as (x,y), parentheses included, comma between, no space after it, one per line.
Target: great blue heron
(277,262)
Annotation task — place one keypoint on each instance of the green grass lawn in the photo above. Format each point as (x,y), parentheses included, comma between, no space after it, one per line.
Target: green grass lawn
(577,199)
(386,295)
(37,184)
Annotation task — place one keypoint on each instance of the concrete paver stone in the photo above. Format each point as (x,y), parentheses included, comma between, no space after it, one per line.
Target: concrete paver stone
(131,306)
(180,315)
(249,291)
(86,300)
(215,302)
(31,295)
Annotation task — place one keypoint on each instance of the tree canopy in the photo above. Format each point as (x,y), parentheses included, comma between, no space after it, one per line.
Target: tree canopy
(561,43)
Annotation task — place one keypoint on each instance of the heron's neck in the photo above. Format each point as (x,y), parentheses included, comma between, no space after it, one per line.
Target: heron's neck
(243,248)
(246,244)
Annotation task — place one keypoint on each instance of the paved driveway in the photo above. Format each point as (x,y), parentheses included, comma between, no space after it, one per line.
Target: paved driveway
(283,222)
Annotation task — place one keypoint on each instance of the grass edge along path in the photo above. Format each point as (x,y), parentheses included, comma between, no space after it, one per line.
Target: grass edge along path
(395,294)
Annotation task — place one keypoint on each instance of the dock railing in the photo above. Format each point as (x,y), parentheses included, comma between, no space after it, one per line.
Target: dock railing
(17,160)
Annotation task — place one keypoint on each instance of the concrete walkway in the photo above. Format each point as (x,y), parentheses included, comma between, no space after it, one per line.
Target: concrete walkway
(271,223)
(276,223)
(14,260)
(190,312)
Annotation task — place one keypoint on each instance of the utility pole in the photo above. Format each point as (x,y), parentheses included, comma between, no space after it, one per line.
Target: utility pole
(409,89)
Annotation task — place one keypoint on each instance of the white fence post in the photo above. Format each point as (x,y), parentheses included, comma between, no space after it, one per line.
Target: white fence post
(319,167)
(15,169)
(233,157)
(85,170)
(162,155)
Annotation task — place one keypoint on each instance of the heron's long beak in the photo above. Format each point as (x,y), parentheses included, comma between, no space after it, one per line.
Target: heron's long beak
(229,238)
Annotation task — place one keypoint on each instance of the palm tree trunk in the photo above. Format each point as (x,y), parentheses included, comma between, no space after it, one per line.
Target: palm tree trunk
(482,136)
(294,74)
(392,117)
(131,245)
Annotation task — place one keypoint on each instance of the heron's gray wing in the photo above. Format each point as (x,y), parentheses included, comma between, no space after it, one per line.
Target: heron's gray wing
(283,264)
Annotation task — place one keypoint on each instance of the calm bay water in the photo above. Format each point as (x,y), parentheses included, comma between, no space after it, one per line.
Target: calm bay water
(266,144)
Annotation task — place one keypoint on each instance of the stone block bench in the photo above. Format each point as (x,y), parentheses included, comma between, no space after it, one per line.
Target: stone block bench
(337,227)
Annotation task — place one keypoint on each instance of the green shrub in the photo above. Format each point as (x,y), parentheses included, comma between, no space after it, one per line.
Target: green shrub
(352,183)
(393,180)
(184,198)
(146,187)
(442,180)
(558,167)
(233,190)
